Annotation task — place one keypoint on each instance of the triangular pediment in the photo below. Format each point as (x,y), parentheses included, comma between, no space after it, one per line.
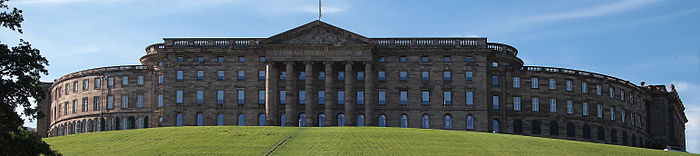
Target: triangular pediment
(317,33)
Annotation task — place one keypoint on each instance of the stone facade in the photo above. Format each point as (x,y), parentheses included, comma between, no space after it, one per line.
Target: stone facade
(440,83)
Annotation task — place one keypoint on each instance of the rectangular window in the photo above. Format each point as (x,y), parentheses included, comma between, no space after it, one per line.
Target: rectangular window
(160,79)
(496,102)
(424,59)
(468,59)
(67,91)
(302,75)
(283,97)
(125,80)
(139,101)
(569,85)
(125,101)
(585,109)
(622,114)
(220,97)
(516,82)
(425,97)
(360,97)
(447,98)
(494,80)
(470,98)
(535,104)
(516,103)
(341,97)
(446,59)
(612,113)
(179,75)
(381,76)
(86,84)
(75,106)
(200,96)
(552,84)
(220,75)
(382,97)
(552,105)
(403,76)
(178,95)
(494,64)
(447,75)
(534,83)
(402,59)
(469,76)
(262,59)
(85,104)
(110,102)
(611,92)
(425,75)
(321,76)
(241,75)
(75,86)
(97,83)
(200,75)
(302,97)
(632,118)
(241,58)
(261,75)
(360,76)
(321,97)
(341,76)
(622,95)
(180,59)
(200,59)
(261,96)
(160,63)
(160,100)
(241,96)
(404,98)
(584,87)
(283,76)
(382,59)
(598,90)
(96,103)
(220,59)
(569,107)
(600,111)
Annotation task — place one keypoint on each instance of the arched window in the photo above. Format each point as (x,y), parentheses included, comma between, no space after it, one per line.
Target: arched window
(220,119)
(613,136)
(302,119)
(341,120)
(634,141)
(131,123)
(160,121)
(553,128)
(283,120)
(426,121)
(102,124)
(261,119)
(470,122)
(404,121)
(200,119)
(139,124)
(361,120)
(241,119)
(116,123)
(495,126)
(536,128)
(77,129)
(570,130)
(321,119)
(90,125)
(601,134)
(586,131)
(624,138)
(179,119)
(447,122)
(125,123)
(517,126)
(382,120)
(145,122)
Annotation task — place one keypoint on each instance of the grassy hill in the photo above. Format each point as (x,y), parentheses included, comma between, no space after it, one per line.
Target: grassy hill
(253,140)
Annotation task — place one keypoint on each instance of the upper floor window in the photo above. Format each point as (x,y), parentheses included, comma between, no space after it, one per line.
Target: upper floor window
(516,82)
(446,59)
(622,114)
(468,59)
(110,102)
(97,83)
(241,96)
(321,76)
(200,75)
(494,80)
(382,97)
(612,113)
(584,87)
(283,76)
(160,63)
(179,75)
(200,59)
(600,111)
(241,58)
(220,59)
(552,84)
(382,59)
(283,97)
(75,86)
(360,76)
(139,101)
(470,98)
(402,59)
(261,97)
(598,90)
(125,101)
(403,76)
(425,97)
(569,107)
(494,64)
(552,105)
(321,97)
(424,59)
(160,100)
(584,109)
(447,75)
(534,82)
(160,79)
(180,59)
(341,76)
(261,75)
(360,97)
(447,98)
(178,95)
(496,102)
(219,97)
(424,75)
(125,81)
(341,97)
(516,103)
(220,75)
(262,59)
(611,93)
(381,75)
(535,104)
(86,84)
(622,95)
(241,75)
(404,97)
(302,75)
(469,76)
(569,85)
(200,96)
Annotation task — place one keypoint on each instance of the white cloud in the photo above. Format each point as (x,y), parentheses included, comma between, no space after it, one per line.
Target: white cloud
(602,10)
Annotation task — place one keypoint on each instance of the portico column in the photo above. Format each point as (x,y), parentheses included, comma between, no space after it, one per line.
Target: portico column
(350,117)
(310,91)
(291,115)
(271,102)
(330,95)
(370,101)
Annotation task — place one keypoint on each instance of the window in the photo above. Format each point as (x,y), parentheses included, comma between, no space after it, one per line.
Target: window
(139,101)
(470,98)
(404,97)
(241,75)
(283,76)
(341,76)
(536,128)
(469,76)
(180,59)
(220,119)
(75,86)
(495,126)
(404,121)
(160,79)
(179,75)
(261,119)
(360,120)
(321,97)
(622,114)
(382,59)
(496,102)
(283,97)
(261,59)
(97,83)
(612,113)
(382,97)
(110,102)
(160,100)
(200,75)
(220,59)
(570,130)
(425,97)
(601,133)
(516,82)
(516,103)
(447,98)
(360,97)
(535,104)
(360,76)
(302,120)
(321,76)
(95,103)
(585,109)
(381,75)
(200,96)
(178,97)
(470,122)
(125,101)
(179,119)
(341,120)
(598,90)
(261,75)
(86,83)
(160,63)
(220,97)
(553,128)
(534,83)
(517,126)
(302,97)
(446,59)
(569,107)
(426,122)
(382,120)
(241,58)
(494,80)
(632,118)
(125,81)
(200,59)
(67,91)
(403,76)
(468,59)
(402,59)
(600,111)
(302,75)
(85,104)
(611,92)
(424,59)
(321,119)
(425,75)
(584,87)
(447,122)
(494,64)
(552,105)
(447,76)
(241,119)
(622,95)
(341,97)
(552,84)
(261,97)
(569,85)
(220,75)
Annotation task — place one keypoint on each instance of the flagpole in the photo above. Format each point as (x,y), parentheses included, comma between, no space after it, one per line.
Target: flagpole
(319,10)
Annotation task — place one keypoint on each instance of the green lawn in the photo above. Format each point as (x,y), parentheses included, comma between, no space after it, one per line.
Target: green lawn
(253,140)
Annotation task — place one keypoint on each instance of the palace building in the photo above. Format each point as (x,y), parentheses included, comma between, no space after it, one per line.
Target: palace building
(319,75)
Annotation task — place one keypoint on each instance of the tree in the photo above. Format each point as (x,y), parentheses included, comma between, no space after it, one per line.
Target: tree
(20,69)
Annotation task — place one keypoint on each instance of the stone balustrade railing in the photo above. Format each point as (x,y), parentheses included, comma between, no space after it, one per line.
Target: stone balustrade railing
(101,69)
(576,72)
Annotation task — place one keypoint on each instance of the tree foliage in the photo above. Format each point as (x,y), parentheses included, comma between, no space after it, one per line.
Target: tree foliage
(21,67)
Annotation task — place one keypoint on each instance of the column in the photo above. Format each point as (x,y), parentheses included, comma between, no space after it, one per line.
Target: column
(330,96)
(272,116)
(350,117)
(370,94)
(291,114)
(310,91)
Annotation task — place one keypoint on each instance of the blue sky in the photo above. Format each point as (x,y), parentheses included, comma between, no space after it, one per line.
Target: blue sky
(641,40)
